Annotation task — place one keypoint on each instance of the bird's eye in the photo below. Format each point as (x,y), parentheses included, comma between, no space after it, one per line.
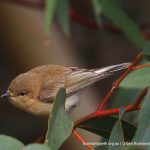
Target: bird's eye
(22,94)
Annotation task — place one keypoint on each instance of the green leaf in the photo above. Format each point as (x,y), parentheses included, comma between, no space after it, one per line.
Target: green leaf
(143,131)
(112,11)
(103,126)
(146,50)
(49,13)
(97,10)
(133,147)
(63,15)
(131,86)
(60,124)
(36,147)
(9,143)
(121,112)
(117,135)
(101,147)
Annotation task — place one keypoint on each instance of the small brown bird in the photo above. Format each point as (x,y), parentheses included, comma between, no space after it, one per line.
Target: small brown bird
(35,90)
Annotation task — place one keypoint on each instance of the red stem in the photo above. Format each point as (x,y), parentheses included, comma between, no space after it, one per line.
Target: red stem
(108,95)
(135,61)
(104,113)
(115,111)
(115,86)
(81,139)
(141,66)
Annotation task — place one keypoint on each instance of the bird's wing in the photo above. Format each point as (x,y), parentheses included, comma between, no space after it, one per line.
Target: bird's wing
(77,79)
(49,89)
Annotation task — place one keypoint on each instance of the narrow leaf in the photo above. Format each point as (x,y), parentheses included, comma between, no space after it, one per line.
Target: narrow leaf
(62,129)
(121,113)
(117,135)
(144,121)
(113,12)
(146,50)
(97,10)
(49,14)
(63,15)
(103,126)
(60,124)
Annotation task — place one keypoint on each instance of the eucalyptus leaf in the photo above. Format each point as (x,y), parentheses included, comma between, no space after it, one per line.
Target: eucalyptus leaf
(144,122)
(146,50)
(131,86)
(9,143)
(50,9)
(103,127)
(60,124)
(63,15)
(121,112)
(36,147)
(117,135)
(97,10)
(113,12)
(133,147)
(101,147)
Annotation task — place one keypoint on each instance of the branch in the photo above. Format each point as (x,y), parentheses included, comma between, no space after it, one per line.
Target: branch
(141,66)
(132,107)
(81,139)
(135,61)
(116,85)
(140,98)
(103,113)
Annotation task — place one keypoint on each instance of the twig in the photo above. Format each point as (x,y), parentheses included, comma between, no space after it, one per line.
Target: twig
(140,98)
(103,114)
(141,66)
(115,86)
(108,95)
(135,61)
(81,139)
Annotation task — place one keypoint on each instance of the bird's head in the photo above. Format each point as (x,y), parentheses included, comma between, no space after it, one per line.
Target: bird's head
(25,85)
(22,92)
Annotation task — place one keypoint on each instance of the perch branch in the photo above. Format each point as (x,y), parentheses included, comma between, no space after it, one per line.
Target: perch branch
(116,85)
(103,113)
(141,66)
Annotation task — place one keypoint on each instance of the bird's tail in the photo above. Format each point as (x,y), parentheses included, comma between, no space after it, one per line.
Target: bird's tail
(111,69)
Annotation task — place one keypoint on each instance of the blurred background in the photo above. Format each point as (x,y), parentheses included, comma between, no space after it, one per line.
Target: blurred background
(25,45)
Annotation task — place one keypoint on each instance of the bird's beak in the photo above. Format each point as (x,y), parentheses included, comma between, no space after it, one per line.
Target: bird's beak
(5,95)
